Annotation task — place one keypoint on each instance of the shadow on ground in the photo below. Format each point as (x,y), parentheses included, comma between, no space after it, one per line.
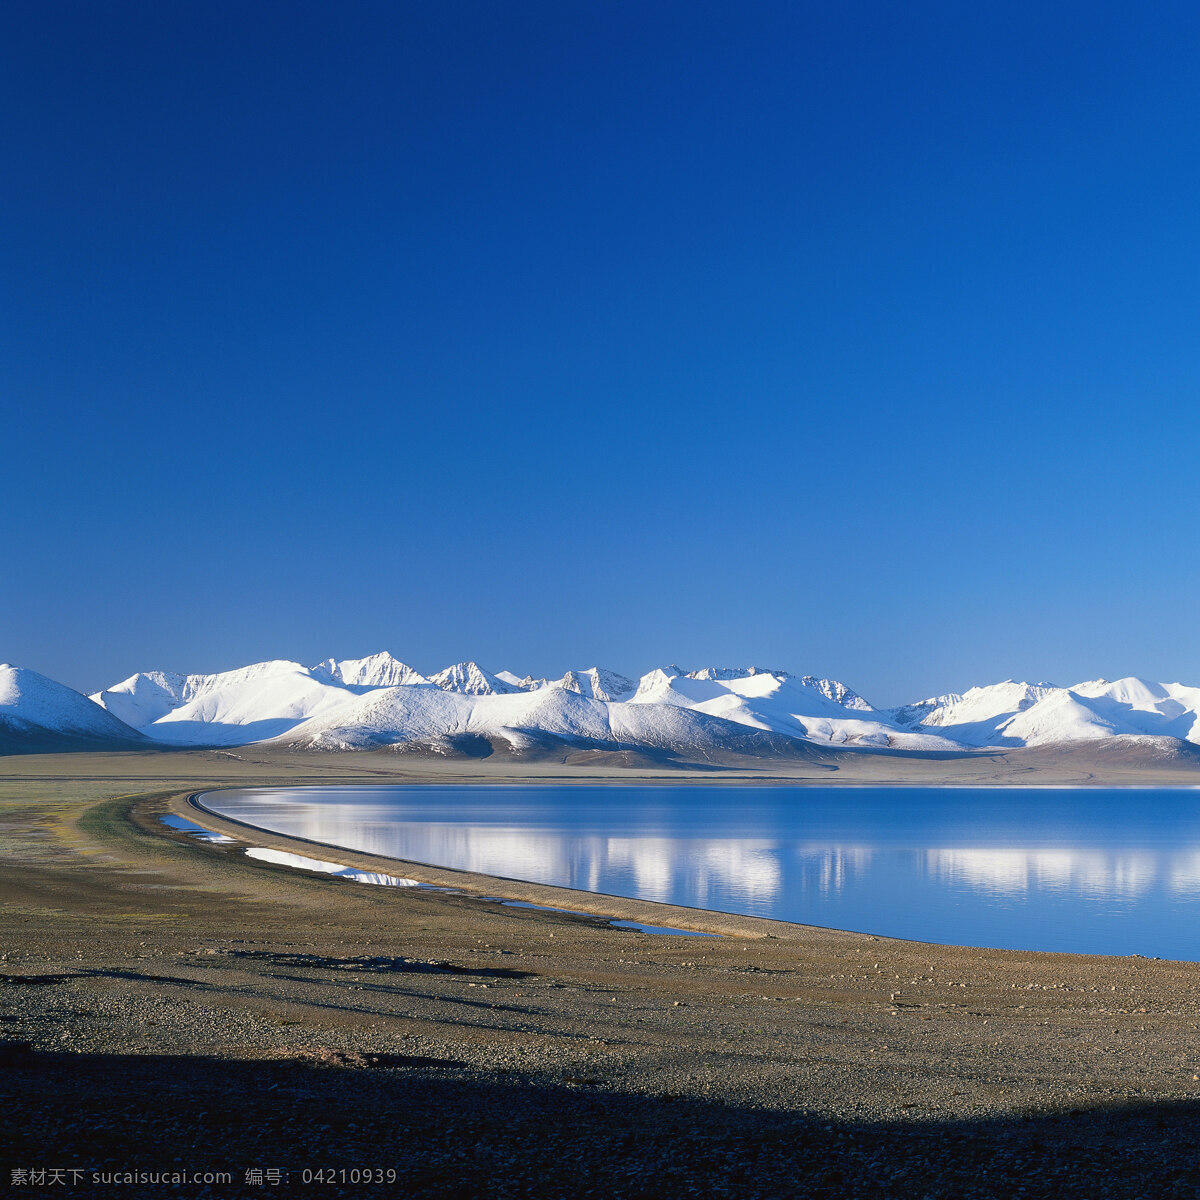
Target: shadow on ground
(377,964)
(448,1132)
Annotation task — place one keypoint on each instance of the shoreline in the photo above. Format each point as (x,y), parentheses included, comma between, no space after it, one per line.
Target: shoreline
(478,885)
(608,905)
(152,978)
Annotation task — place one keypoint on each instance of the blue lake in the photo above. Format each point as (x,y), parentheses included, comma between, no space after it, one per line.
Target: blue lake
(1087,870)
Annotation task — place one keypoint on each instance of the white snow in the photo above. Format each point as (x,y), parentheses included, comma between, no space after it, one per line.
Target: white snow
(597,683)
(378,670)
(471,678)
(1033,714)
(981,716)
(32,703)
(285,859)
(250,704)
(236,707)
(381,701)
(405,714)
(781,703)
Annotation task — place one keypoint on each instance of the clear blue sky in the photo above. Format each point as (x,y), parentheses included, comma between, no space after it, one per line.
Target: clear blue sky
(859,339)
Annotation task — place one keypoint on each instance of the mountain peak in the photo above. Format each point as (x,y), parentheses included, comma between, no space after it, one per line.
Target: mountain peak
(838,692)
(37,709)
(376,670)
(472,680)
(721,674)
(270,699)
(597,684)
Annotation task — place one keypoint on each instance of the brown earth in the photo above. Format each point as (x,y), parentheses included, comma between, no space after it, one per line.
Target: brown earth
(172,1006)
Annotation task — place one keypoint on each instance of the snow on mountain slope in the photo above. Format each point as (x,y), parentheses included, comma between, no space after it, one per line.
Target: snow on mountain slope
(151,695)
(1128,706)
(146,696)
(471,679)
(688,730)
(268,699)
(979,717)
(1061,716)
(36,709)
(515,680)
(380,700)
(1158,709)
(250,710)
(402,715)
(727,674)
(406,714)
(1035,714)
(385,717)
(378,670)
(227,709)
(831,689)
(838,692)
(781,703)
(597,683)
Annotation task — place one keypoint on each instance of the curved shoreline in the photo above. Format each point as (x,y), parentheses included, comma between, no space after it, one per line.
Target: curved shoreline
(603,905)
(477,885)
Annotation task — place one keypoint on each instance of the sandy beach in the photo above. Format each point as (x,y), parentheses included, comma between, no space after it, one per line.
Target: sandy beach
(175,1006)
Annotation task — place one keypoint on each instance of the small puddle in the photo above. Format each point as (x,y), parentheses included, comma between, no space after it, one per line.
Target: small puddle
(183,825)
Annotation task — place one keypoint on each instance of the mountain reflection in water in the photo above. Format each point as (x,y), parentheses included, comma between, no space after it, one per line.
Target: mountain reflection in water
(1095,870)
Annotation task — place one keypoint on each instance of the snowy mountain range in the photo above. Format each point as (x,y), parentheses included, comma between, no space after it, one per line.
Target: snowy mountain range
(380,702)
(38,714)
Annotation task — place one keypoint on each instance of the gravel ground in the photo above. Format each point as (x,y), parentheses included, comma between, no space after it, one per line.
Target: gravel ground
(169,1006)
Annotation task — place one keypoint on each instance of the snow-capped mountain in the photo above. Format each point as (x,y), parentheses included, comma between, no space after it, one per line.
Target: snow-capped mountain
(380,701)
(36,713)
(471,679)
(378,670)
(1036,714)
(806,707)
(980,716)
(341,701)
(230,708)
(1098,708)
(525,685)
(522,721)
(597,684)
(838,692)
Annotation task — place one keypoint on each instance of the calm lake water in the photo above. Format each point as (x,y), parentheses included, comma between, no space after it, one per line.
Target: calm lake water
(1089,870)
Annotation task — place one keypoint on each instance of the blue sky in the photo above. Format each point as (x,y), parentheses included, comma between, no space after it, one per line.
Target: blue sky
(858,339)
